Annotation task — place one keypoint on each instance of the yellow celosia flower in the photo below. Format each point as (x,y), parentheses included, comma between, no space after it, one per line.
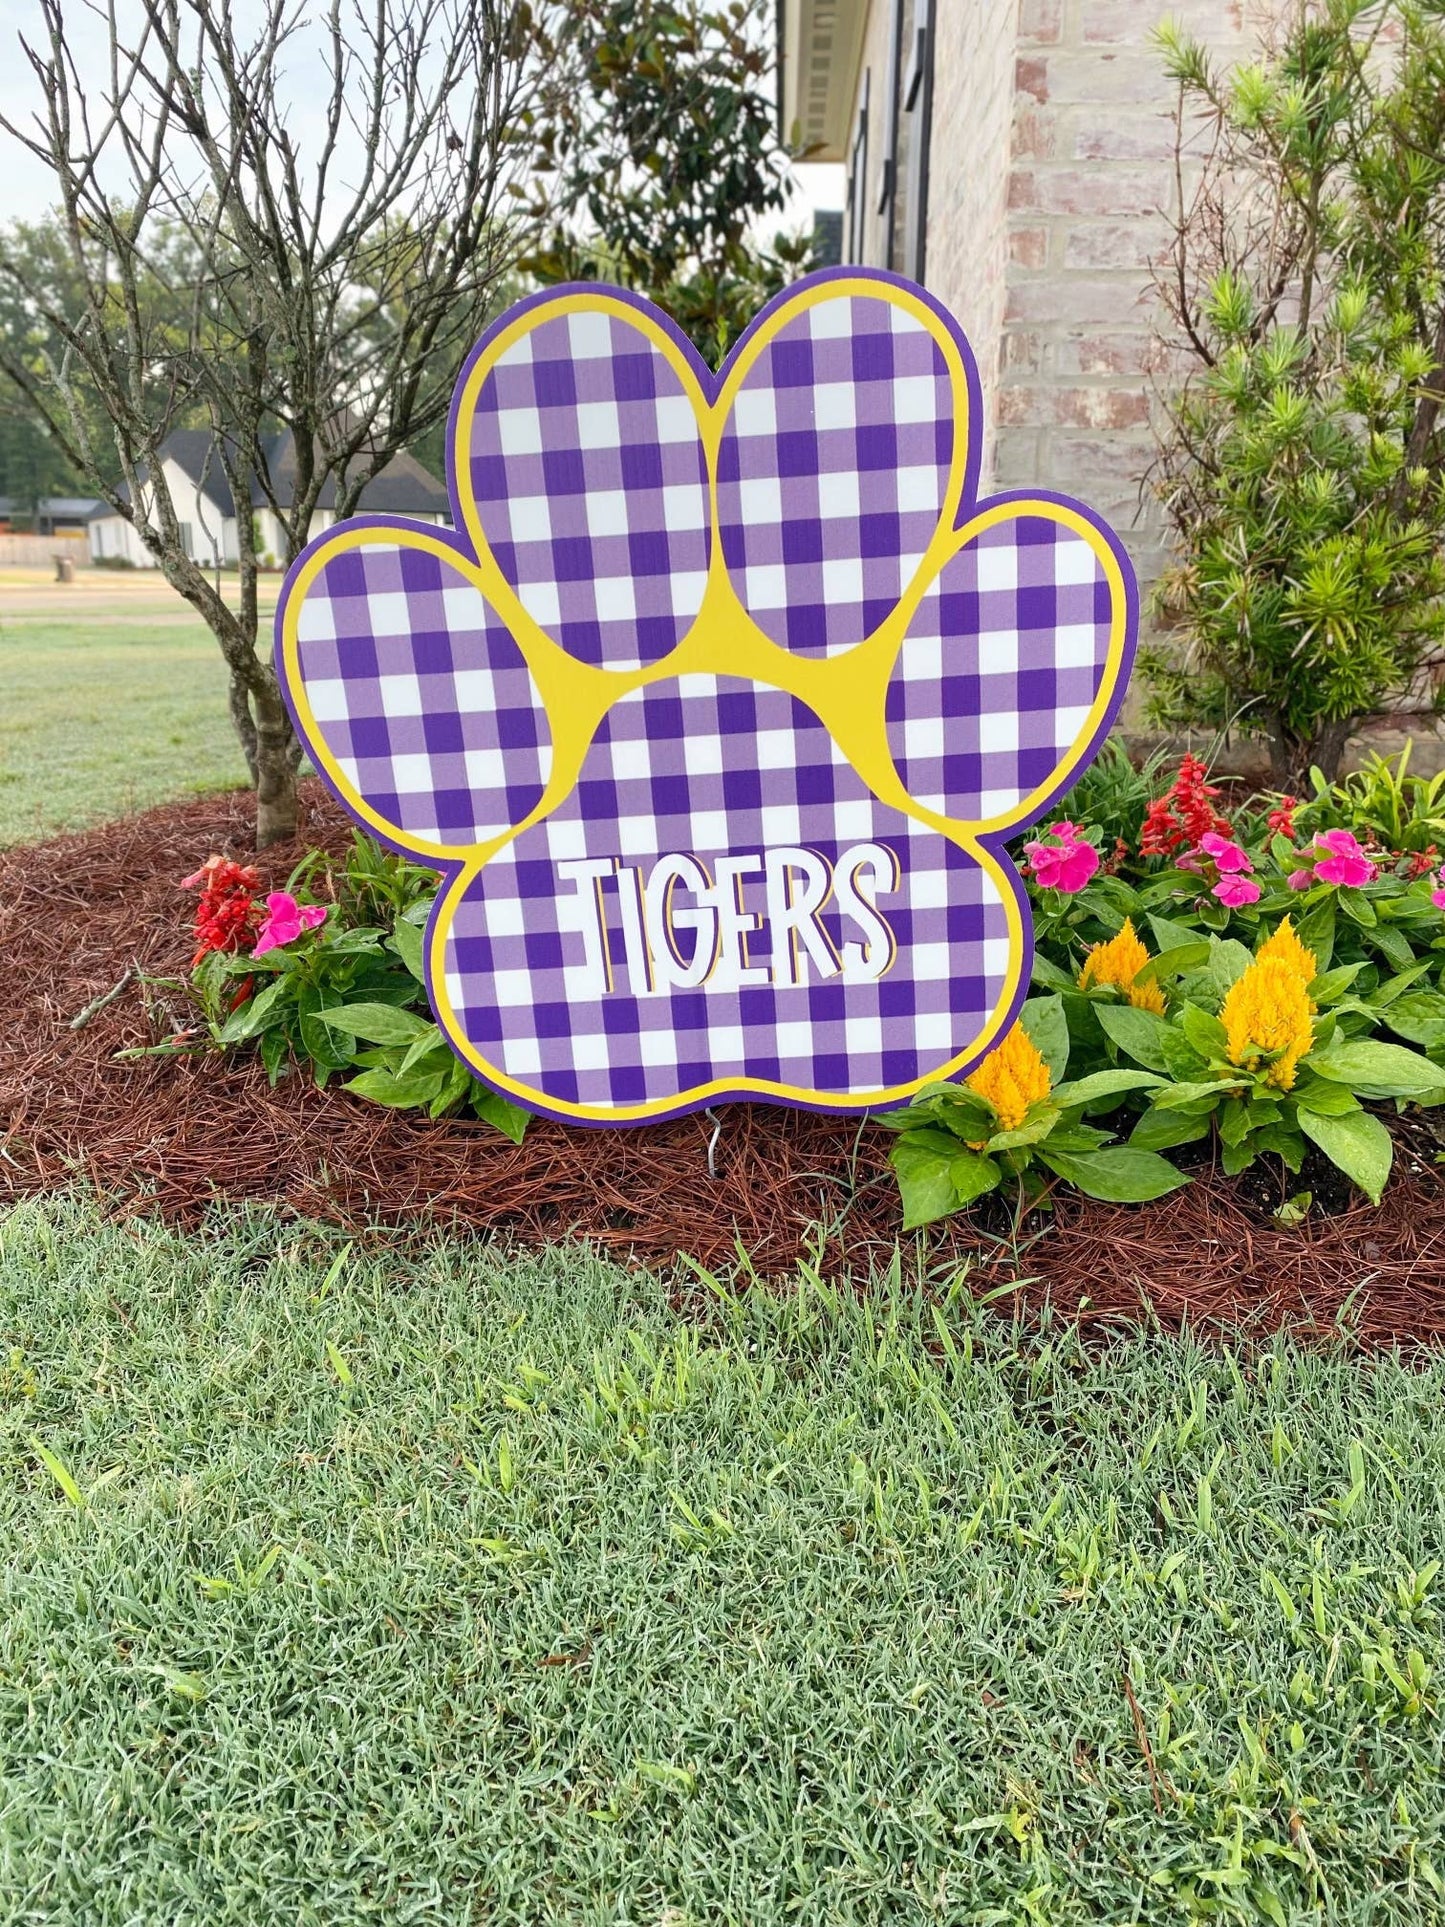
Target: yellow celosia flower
(1285,945)
(1119,962)
(1267,1011)
(1012,1078)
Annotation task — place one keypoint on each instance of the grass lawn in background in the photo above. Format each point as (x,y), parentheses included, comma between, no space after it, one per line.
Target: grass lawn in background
(112,697)
(412,1582)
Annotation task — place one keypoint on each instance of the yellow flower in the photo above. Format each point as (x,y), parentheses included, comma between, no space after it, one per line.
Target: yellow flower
(1119,962)
(1268,1013)
(1285,945)
(1012,1077)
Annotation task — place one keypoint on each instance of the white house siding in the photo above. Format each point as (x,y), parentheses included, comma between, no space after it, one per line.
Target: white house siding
(209,536)
(112,539)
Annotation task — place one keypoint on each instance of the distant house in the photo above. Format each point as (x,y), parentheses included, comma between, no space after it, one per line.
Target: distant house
(54,515)
(207,512)
(65,514)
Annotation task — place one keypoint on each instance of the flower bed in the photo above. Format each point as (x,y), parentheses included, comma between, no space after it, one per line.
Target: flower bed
(175,1134)
(1291,978)
(1292,991)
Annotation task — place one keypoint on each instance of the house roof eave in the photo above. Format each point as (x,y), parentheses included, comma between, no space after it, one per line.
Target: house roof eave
(820,50)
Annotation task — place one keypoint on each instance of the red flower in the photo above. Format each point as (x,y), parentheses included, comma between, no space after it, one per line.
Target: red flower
(1281,817)
(1422,861)
(227,917)
(1185,816)
(1161,835)
(1193,799)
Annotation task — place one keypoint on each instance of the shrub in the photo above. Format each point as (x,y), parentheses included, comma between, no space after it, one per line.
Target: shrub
(1300,462)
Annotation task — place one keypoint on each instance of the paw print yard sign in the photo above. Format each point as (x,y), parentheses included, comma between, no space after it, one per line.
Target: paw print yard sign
(717,709)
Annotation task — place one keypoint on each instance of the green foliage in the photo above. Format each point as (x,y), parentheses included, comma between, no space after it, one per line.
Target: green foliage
(953,1146)
(668,159)
(1112,795)
(420,1581)
(348,998)
(1300,467)
(1382,803)
(1257,1110)
(41,281)
(1259,1079)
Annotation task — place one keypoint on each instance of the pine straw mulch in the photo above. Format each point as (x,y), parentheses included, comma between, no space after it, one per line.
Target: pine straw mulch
(178,1136)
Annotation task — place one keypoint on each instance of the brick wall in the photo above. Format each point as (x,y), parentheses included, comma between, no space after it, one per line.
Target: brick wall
(1050,162)
(1090,171)
(969,165)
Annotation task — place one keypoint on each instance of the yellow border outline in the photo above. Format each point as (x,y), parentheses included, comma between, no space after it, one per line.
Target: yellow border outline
(846,692)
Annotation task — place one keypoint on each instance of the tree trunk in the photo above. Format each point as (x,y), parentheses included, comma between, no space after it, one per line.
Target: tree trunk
(1329,746)
(1291,759)
(1284,756)
(275,770)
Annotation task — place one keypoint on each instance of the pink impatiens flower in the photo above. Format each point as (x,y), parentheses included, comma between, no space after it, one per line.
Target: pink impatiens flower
(285,921)
(1339,859)
(1229,858)
(1437,895)
(1233,891)
(1300,879)
(1064,865)
(1233,885)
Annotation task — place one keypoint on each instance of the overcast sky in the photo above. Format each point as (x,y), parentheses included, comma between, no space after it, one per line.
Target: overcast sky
(27,185)
(28,188)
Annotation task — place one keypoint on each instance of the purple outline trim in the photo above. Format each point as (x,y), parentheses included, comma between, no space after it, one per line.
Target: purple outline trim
(711,385)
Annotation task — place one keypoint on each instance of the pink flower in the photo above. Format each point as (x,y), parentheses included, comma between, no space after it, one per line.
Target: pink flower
(1437,895)
(1228,856)
(285,921)
(1064,865)
(1300,879)
(1233,891)
(1341,859)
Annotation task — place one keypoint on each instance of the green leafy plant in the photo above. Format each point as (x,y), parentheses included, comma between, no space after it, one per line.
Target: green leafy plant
(1112,796)
(1382,803)
(1233,1054)
(338,986)
(1300,462)
(1020,1119)
(666,159)
(1242,1052)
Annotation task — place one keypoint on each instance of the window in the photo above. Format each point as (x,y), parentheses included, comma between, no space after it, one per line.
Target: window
(858,174)
(917,105)
(888,172)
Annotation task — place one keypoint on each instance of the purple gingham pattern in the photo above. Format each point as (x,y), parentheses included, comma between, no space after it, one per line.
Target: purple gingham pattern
(720,898)
(720,769)
(999,669)
(421,695)
(832,471)
(590,485)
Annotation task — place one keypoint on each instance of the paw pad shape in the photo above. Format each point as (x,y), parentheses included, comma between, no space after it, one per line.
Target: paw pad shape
(718,706)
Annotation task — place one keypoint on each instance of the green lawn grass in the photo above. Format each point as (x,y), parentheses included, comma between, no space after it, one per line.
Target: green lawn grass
(103,714)
(413,1583)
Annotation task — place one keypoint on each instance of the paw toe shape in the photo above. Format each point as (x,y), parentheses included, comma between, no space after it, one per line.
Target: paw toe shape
(591,489)
(1001,681)
(418,695)
(834,469)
